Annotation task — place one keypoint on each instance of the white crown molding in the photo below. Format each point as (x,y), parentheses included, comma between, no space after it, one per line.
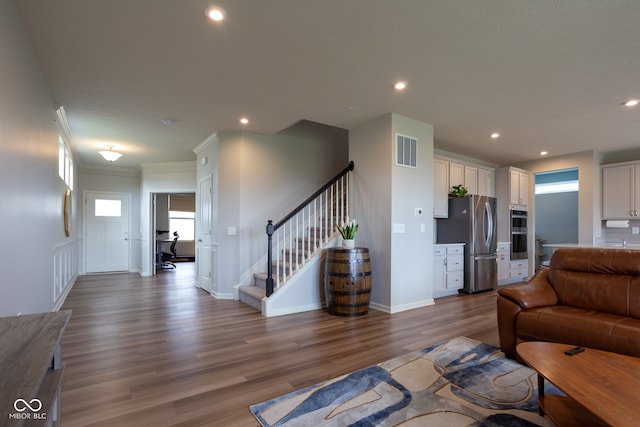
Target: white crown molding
(109,170)
(186,166)
(211,139)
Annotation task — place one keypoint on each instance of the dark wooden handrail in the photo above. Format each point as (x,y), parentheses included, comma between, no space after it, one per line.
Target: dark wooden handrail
(271,227)
(302,205)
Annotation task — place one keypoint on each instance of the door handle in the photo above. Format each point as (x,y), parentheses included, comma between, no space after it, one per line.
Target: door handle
(199,240)
(126,238)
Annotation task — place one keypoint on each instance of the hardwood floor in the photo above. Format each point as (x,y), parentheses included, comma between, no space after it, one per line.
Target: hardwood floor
(158,351)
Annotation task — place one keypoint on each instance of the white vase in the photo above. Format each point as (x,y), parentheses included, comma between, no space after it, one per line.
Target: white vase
(348,244)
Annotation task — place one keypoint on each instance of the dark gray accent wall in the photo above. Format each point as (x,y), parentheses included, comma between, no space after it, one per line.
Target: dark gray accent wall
(557,218)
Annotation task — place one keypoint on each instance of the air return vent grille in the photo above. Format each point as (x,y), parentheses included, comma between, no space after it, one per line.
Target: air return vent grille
(406,150)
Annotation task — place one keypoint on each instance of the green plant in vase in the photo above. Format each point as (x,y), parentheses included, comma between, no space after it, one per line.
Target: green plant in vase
(348,232)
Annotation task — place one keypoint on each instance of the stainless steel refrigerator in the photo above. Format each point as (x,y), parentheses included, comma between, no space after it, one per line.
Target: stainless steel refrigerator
(472,221)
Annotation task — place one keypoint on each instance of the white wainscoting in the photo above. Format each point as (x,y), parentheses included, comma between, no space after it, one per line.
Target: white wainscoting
(65,271)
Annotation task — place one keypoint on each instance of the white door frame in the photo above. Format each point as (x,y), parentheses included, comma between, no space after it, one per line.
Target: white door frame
(85,194)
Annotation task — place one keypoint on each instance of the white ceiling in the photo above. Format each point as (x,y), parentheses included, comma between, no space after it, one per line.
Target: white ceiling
(548,75)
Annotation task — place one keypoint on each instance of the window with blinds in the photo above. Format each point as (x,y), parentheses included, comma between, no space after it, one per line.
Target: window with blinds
(182,214)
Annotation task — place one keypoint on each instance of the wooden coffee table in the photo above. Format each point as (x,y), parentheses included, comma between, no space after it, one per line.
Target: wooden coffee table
(602,388)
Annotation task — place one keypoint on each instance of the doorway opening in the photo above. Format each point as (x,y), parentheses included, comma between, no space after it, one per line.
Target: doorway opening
(556,210)
(174,228)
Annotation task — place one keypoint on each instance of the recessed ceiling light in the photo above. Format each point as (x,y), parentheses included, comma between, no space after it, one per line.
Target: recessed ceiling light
(216,13)
(495,135)
(167,122)
(631,103)
(244,121)
(400,85)
(543,153)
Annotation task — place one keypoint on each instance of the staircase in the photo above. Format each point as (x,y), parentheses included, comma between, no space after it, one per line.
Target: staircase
(295,245)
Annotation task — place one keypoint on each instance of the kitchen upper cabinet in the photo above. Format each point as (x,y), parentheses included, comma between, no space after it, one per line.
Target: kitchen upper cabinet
(512,186)
(519,184)
(471,179)
(440,188)
(486,182)
(456,175)
(621,191)
(476,179)
(460,174)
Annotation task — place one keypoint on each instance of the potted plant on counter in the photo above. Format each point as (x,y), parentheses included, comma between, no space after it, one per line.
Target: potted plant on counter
(459,191)
(348,232)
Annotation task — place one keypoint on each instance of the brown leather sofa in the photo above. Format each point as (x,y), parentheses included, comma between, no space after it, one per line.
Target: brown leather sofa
(587,297)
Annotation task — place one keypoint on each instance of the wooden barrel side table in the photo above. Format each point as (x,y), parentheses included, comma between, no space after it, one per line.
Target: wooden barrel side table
(347,281)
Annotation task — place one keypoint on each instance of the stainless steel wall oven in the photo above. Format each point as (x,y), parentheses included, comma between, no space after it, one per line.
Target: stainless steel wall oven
(518,230)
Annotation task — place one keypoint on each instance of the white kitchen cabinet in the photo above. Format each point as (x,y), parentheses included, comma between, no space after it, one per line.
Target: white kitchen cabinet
(460,174)
(471,179)
(621,191)
(486,182)
(519,270)
(477,179)
(440,188)
(456,175)
(512,190)
(519,189)
(504,262)
(439,269)
(510,271)
(448,269)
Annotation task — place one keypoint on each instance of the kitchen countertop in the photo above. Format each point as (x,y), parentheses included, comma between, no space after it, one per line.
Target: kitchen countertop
(628,246)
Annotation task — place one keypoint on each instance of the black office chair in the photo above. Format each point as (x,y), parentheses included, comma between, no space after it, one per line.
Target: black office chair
(167,256)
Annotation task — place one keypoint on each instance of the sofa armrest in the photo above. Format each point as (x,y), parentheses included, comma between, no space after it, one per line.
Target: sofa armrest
(537,292)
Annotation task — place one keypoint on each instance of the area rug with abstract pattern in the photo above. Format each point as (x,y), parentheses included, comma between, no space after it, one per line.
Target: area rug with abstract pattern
(462,382)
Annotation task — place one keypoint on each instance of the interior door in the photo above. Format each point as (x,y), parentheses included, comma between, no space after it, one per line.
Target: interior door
(106,219)
(203,238)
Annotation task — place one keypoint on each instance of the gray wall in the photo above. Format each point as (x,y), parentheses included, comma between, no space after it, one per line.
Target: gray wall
(383,195)
(32,192)
(265,177)
(557,218)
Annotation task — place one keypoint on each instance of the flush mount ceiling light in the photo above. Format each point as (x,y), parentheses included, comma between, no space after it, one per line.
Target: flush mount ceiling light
(400,85)
(216,13)
(244,120)
(110,155)
(495,135)
(631,103)
(543,153)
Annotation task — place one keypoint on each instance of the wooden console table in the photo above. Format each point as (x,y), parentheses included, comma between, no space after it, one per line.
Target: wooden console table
(31,369)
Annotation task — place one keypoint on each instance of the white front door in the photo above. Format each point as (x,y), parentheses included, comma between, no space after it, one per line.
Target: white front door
(203,246)
(106,219)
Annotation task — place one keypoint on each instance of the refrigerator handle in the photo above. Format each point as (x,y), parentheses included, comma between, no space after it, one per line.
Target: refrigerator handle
(488,226)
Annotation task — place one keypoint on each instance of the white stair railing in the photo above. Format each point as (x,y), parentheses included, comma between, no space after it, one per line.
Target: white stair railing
(306,229)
